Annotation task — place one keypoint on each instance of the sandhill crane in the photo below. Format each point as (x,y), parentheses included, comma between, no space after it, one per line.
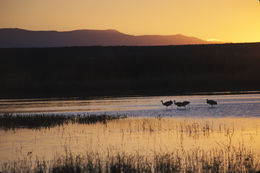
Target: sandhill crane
(181,104)
(186,103)
(211,102)
(167,103)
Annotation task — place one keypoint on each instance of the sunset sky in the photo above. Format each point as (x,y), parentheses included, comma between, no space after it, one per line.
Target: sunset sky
(227,20)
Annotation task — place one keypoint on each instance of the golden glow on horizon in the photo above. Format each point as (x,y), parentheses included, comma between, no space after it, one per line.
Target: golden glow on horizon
(231,21)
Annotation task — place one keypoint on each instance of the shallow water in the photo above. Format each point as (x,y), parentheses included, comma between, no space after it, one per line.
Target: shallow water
(247,105)
(150,127)
(145,136)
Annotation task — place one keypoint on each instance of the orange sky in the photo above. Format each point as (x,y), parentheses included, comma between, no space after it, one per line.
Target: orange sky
(227,20)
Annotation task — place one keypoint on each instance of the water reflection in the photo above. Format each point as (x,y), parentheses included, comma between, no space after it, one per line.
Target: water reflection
(228,105)
(144,136)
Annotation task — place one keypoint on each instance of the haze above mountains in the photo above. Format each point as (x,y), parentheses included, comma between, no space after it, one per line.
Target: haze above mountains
(20,38)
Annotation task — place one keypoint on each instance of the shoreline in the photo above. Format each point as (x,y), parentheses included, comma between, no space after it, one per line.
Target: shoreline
(120,95)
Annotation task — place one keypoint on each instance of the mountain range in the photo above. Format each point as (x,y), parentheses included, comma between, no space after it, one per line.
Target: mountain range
(20,38)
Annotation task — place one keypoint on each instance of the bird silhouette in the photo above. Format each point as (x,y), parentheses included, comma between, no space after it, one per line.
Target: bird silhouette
(167,103)
(186,103)
(181,104)
(211,102)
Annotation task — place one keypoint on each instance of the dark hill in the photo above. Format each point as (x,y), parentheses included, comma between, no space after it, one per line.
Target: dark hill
(128,70)
(18,38)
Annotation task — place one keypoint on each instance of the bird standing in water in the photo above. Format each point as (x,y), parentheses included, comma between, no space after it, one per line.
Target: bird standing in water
(211,102)
(167,103)
(181,104)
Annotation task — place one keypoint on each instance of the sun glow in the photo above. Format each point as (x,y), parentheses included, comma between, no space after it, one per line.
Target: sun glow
(233,21)
(215,40)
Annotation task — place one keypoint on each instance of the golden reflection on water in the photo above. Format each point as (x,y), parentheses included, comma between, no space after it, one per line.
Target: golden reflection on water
(141,135)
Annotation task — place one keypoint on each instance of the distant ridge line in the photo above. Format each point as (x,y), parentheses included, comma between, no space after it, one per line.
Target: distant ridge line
(21,38)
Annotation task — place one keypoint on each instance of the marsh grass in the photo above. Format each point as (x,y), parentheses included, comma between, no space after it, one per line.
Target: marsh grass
(37,121)
(197,160)
(227,156)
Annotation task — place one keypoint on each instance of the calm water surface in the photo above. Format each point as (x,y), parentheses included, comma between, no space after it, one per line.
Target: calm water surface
(247,105)
(236,117)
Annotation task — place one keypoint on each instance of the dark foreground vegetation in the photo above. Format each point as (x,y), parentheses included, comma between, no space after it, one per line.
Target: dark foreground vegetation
(223,160)
(9,121)
(112,71)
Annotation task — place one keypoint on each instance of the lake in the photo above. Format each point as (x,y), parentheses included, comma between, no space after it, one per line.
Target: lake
(244,105)
(224,131)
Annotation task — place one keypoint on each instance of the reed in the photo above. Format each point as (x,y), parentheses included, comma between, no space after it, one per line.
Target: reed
(197,160)
(227,156)
(37,121)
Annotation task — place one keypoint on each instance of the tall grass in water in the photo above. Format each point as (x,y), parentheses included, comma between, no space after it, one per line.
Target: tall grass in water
(217,160)
(226,156)
(37,121)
